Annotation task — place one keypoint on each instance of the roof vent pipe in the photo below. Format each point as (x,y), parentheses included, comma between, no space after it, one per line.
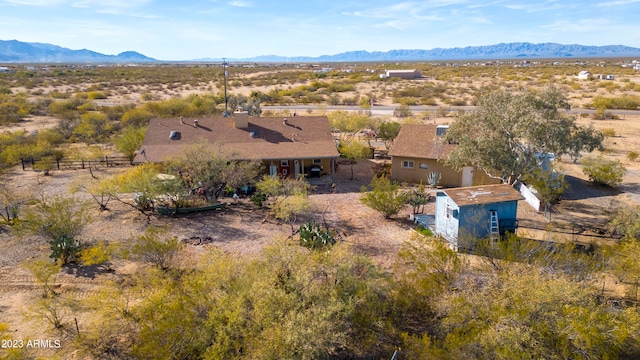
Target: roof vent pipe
(195,122)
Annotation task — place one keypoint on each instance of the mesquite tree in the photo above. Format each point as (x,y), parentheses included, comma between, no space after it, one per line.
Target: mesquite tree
(511,131)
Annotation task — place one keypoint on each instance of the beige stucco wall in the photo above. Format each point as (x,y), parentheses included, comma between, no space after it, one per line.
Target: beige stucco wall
(450,177)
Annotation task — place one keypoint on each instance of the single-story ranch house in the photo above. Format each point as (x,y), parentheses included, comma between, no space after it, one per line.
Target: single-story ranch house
(418,150)
(288,146)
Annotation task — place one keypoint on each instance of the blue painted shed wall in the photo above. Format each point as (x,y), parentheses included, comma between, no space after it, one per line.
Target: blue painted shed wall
(474,219)
(470,221)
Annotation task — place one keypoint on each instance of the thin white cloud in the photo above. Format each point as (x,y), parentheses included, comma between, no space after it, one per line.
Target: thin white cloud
(480,20)
(440,3)
(406,11)
(483,5)
(617,3)
(240,3)
(536,7)
(582,25)
(36,2)
(129,8)
(395,24)
(81,4)
(110,4)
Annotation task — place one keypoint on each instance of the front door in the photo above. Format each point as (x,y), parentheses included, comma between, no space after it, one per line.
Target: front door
(467,176)
(296,168)
(284,167)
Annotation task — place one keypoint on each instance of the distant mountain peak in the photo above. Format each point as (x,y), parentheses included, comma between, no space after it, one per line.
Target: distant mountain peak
(22,52)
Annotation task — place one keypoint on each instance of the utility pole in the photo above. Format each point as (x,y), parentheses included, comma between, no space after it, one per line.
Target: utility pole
(224,68)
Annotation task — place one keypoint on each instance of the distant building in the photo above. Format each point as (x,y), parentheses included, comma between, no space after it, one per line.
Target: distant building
(403,74)
(606,77)
(4,69)
(584,75)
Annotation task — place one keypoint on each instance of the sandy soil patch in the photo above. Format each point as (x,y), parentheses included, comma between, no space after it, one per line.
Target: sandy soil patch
(31,124)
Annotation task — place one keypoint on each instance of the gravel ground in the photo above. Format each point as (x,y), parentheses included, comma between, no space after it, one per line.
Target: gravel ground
(239,229)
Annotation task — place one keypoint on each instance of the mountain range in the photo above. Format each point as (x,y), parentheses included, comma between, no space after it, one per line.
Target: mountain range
(14,51)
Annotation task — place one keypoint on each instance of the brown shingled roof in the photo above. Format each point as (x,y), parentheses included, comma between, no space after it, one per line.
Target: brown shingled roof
(419,141)
(486,194)
(302,137)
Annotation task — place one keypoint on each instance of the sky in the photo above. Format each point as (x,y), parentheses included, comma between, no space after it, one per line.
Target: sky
(197,29)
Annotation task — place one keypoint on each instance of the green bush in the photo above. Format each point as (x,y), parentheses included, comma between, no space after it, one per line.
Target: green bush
(424,231)
(417,198)
(549,185)
(258,199)
(385,197)
(64,248)
(136,117)
(402,111)
(633,155)
(9,113)
(602,171)
(314,236)
(624,102)
(156,246)
(96,95)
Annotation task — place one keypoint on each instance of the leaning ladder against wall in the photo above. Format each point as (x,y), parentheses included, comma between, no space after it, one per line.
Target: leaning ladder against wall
(494,227)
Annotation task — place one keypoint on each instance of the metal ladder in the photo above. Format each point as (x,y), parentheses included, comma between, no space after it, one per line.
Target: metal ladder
(494,227)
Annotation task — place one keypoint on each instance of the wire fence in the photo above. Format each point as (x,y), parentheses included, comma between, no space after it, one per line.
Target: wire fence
(75,164)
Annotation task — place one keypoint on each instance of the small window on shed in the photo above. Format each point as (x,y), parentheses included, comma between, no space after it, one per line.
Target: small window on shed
(424,166)
(317,161)
(407,164)
(451,213)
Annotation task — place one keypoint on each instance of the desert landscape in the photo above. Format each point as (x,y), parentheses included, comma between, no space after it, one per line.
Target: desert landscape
(242,230)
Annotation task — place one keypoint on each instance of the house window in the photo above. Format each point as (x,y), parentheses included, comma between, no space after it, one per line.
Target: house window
(284,162)
(407,164)
(449,212)
(317,161)
(424,166)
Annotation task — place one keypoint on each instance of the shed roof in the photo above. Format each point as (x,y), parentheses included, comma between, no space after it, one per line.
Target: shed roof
(265,138)
(420,141)
(487,194)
